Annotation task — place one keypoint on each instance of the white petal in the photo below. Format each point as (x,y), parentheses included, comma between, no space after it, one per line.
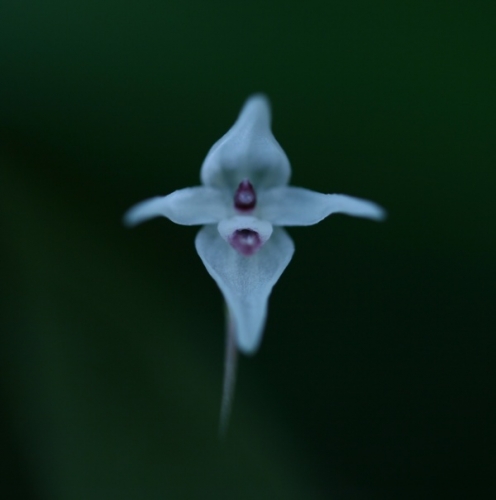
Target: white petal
(294,206)
(247,151)
(245,282)
(190,206)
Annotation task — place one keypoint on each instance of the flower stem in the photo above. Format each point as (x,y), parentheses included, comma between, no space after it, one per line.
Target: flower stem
(230,364)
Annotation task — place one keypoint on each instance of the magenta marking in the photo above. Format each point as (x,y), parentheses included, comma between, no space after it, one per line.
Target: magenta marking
(245,241)
(245,197)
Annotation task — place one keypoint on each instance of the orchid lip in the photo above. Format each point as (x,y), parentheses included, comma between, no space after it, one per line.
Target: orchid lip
(245,197)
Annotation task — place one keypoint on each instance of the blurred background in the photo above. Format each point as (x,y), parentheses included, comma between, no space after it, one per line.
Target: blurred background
(376,375)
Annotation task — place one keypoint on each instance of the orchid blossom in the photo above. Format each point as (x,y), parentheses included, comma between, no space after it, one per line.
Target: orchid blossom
(242,204)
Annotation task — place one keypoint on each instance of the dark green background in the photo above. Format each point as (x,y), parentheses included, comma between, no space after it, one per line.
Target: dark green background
(376,376)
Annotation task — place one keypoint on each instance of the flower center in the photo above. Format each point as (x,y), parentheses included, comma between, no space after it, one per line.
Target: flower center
(245,241)
(245,198)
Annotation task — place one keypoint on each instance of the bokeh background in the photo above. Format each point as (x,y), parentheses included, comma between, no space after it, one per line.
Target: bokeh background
(376,376)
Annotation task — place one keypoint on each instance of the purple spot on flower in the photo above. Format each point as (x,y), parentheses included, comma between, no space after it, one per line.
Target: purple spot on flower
(245,197)
(245,241)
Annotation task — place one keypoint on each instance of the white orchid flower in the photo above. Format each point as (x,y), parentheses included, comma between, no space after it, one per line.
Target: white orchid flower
(242,203)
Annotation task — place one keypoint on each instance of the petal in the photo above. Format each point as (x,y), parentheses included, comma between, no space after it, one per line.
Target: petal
(190,206)
(247,151)
(245,282)
(294,206)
